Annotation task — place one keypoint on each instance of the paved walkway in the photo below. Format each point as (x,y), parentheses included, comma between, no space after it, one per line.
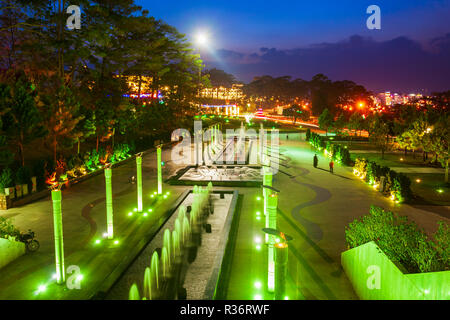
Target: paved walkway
(314,208)
(84,221)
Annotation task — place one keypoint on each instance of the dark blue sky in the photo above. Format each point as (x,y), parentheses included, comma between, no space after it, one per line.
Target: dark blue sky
(311,36)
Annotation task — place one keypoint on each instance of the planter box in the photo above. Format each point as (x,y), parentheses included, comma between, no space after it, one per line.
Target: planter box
(10,192)
(5,202)
(367,265)
(25,189)
(10,251)
(19,191)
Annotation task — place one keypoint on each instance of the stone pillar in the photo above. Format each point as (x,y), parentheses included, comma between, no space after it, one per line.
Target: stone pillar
(58,235)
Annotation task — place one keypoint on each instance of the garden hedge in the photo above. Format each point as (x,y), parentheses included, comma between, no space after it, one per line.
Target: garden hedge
(337,152)
(397,185)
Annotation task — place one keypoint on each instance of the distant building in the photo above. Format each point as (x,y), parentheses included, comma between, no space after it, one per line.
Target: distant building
(223,93)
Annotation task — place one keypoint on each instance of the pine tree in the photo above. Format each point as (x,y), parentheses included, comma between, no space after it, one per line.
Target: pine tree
(23,122)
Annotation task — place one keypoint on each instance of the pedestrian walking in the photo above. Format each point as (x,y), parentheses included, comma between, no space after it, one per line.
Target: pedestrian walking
(315,161)
(331,166)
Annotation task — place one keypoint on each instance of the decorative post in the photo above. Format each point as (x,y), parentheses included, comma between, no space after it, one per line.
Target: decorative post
(158,151)
(58,235)
(281,261)
(261,144)
(109,204)
(139,181)
(267,181)
(272,214)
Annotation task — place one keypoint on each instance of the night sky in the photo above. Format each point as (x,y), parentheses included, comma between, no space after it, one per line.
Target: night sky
(299,38)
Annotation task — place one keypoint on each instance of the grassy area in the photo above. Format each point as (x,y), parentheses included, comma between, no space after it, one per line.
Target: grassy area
(427,187)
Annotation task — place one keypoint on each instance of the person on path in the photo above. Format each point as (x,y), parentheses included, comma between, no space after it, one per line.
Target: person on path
(331,166)
(315,161)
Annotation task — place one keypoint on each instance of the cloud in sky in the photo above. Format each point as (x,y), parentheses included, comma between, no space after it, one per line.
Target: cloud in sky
(400,64)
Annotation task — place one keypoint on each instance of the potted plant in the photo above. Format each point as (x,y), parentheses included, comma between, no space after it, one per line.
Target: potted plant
(7,183)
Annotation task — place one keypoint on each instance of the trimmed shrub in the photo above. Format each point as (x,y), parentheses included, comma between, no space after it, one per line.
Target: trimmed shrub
(6,180)
(397,185)
(308,134)
(402,241)
(337,152)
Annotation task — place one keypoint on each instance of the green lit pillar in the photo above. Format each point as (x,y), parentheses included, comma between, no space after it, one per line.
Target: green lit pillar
(158,152)
(272,213)
(58,234)
(267,181)
(281,262)
(261,141)
(109,204)
(139,181)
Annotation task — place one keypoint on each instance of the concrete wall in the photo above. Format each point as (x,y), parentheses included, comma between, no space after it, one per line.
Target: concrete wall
(10,251)
(367,262)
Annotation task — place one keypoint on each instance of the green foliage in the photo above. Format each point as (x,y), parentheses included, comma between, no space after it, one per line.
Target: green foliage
(308,134)
(402,241)
(337,152)
(22,122)
(6,179)
(38,170)
(361,166)
(23,175)
(325,120)
(8,229)
(396,184)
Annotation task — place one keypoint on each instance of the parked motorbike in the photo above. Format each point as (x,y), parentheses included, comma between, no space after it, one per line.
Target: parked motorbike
(31,244)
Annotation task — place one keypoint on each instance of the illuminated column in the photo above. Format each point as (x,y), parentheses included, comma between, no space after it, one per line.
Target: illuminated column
(58,234)
(238,111)
(272,213)
(281,261)
(158,152)
(261,144)
(109,204)
(139,181)
(267,181)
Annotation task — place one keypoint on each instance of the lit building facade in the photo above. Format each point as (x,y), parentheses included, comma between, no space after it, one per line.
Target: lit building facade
(222,93)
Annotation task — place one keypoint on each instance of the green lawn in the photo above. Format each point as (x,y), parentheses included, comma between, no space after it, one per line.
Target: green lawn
(428,187)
